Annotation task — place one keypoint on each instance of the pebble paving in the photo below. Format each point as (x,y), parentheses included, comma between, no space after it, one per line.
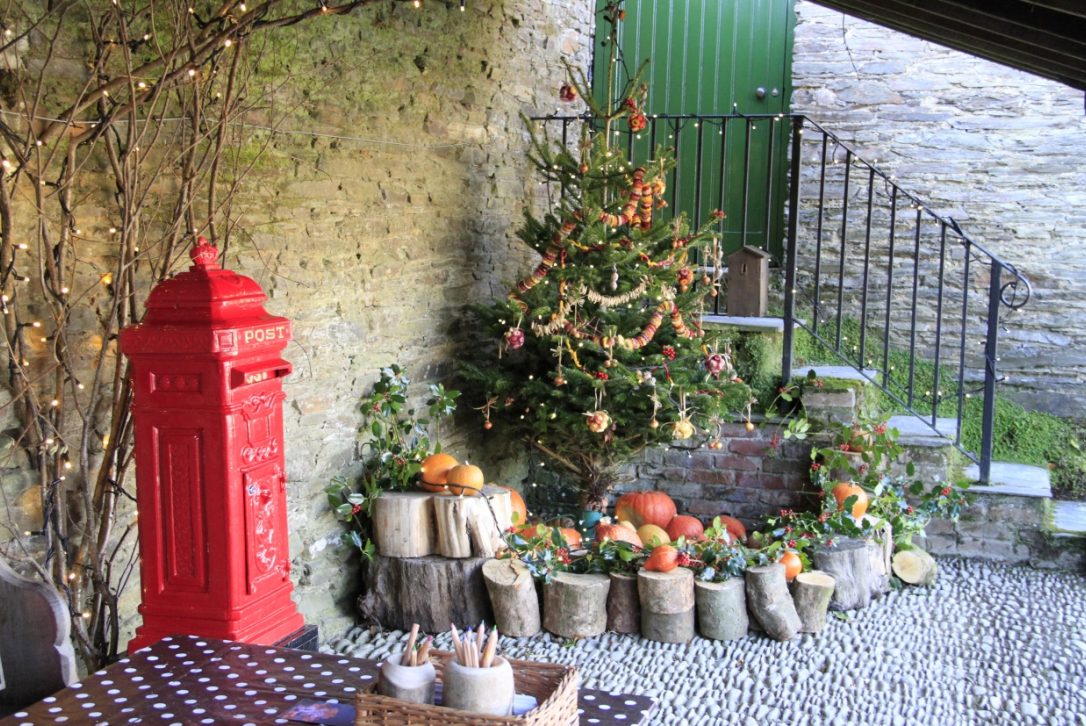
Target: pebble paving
(987,644)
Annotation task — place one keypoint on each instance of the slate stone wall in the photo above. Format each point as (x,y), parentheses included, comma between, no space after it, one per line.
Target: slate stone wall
(387,201)
(999,150)
(373,245)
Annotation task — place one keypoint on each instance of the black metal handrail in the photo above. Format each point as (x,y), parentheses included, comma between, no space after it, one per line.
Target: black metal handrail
(845,236)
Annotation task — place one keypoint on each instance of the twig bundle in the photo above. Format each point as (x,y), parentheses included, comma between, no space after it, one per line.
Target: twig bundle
(475,650)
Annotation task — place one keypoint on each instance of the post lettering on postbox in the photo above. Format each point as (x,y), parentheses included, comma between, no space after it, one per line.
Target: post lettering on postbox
(266,334)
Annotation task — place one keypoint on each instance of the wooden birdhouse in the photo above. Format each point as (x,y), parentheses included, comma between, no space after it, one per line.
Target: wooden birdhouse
(748,283)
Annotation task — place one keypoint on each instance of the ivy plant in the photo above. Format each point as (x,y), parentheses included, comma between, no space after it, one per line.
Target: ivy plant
(397,442)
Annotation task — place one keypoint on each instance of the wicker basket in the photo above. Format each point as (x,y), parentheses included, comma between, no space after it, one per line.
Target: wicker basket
(554,686)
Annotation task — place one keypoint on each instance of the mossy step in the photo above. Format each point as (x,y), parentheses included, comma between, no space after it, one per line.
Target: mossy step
(1069,519)
(919,432)
(1020,480)
(841,373)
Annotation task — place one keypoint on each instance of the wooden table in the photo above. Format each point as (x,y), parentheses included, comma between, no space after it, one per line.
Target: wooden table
(190,680)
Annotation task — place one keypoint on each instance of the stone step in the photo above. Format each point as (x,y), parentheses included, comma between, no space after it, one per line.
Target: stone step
(1020,480)
(842,373)
(1068,519)
(751,325)
(917,432)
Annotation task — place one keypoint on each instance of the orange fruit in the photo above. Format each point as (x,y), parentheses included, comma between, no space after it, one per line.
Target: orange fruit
(793,565)
(465,479)
(846,489)
(435,470)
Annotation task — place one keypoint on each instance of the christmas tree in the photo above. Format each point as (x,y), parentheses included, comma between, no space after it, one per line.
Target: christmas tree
(599,352)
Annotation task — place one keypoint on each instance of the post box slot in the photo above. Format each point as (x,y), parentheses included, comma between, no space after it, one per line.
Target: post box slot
(247,375)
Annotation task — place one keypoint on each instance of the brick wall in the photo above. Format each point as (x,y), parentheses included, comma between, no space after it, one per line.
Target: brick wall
(749,477)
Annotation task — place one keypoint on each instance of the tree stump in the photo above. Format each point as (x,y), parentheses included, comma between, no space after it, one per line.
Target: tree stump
(512,597)
(472,526)
(623,604)
(915,567)
(403,524)
(431,591)
(575,606)
(722,609)
(855,565)
(881,554)
(667,605)
(770,602)
(811,593)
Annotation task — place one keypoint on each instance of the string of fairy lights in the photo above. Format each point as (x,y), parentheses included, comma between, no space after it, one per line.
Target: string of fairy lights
(52,442)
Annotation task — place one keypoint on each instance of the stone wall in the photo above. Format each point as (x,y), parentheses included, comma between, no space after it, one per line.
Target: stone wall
(387,200)
(373,244)
(999,150)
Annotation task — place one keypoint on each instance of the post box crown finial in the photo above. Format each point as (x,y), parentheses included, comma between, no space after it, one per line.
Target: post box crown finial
(204,254)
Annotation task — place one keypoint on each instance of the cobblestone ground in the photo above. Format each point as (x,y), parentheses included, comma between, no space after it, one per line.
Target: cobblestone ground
(988,643)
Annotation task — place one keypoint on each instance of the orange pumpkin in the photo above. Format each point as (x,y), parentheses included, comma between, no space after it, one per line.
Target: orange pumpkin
(793,565)
(847,489)
(435,470)
(641,508)
(734,526)
(684,525)
(520,509)
(465,479)
(530,531)
(571,536)
(618,533)
(664,558)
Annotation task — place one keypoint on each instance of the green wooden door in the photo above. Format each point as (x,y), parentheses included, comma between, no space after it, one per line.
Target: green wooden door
(714,58)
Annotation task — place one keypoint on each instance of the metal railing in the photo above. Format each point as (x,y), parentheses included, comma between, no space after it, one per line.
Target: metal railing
(873,277)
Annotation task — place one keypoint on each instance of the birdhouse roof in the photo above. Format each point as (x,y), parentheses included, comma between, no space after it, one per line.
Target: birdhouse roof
(751,251)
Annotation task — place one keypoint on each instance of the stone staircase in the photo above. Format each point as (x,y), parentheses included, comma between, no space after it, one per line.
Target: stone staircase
(1012,519)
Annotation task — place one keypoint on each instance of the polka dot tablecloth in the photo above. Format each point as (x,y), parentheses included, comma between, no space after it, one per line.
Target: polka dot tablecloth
(188,680)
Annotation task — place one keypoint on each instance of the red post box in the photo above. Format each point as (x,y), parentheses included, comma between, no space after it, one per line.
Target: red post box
(208,412)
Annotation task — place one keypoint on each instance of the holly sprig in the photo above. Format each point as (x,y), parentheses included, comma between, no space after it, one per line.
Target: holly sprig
(397,442)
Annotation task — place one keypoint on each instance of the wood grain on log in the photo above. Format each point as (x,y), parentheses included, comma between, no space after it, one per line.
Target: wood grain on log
(666,592)
(512,597)
(403,524)
(667,605)
(668,627)
(623,604)
(811,593)
(770,602)
(722,609)
(431,591)
(855,566)
(472,526)
(575,605)
(915,567)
